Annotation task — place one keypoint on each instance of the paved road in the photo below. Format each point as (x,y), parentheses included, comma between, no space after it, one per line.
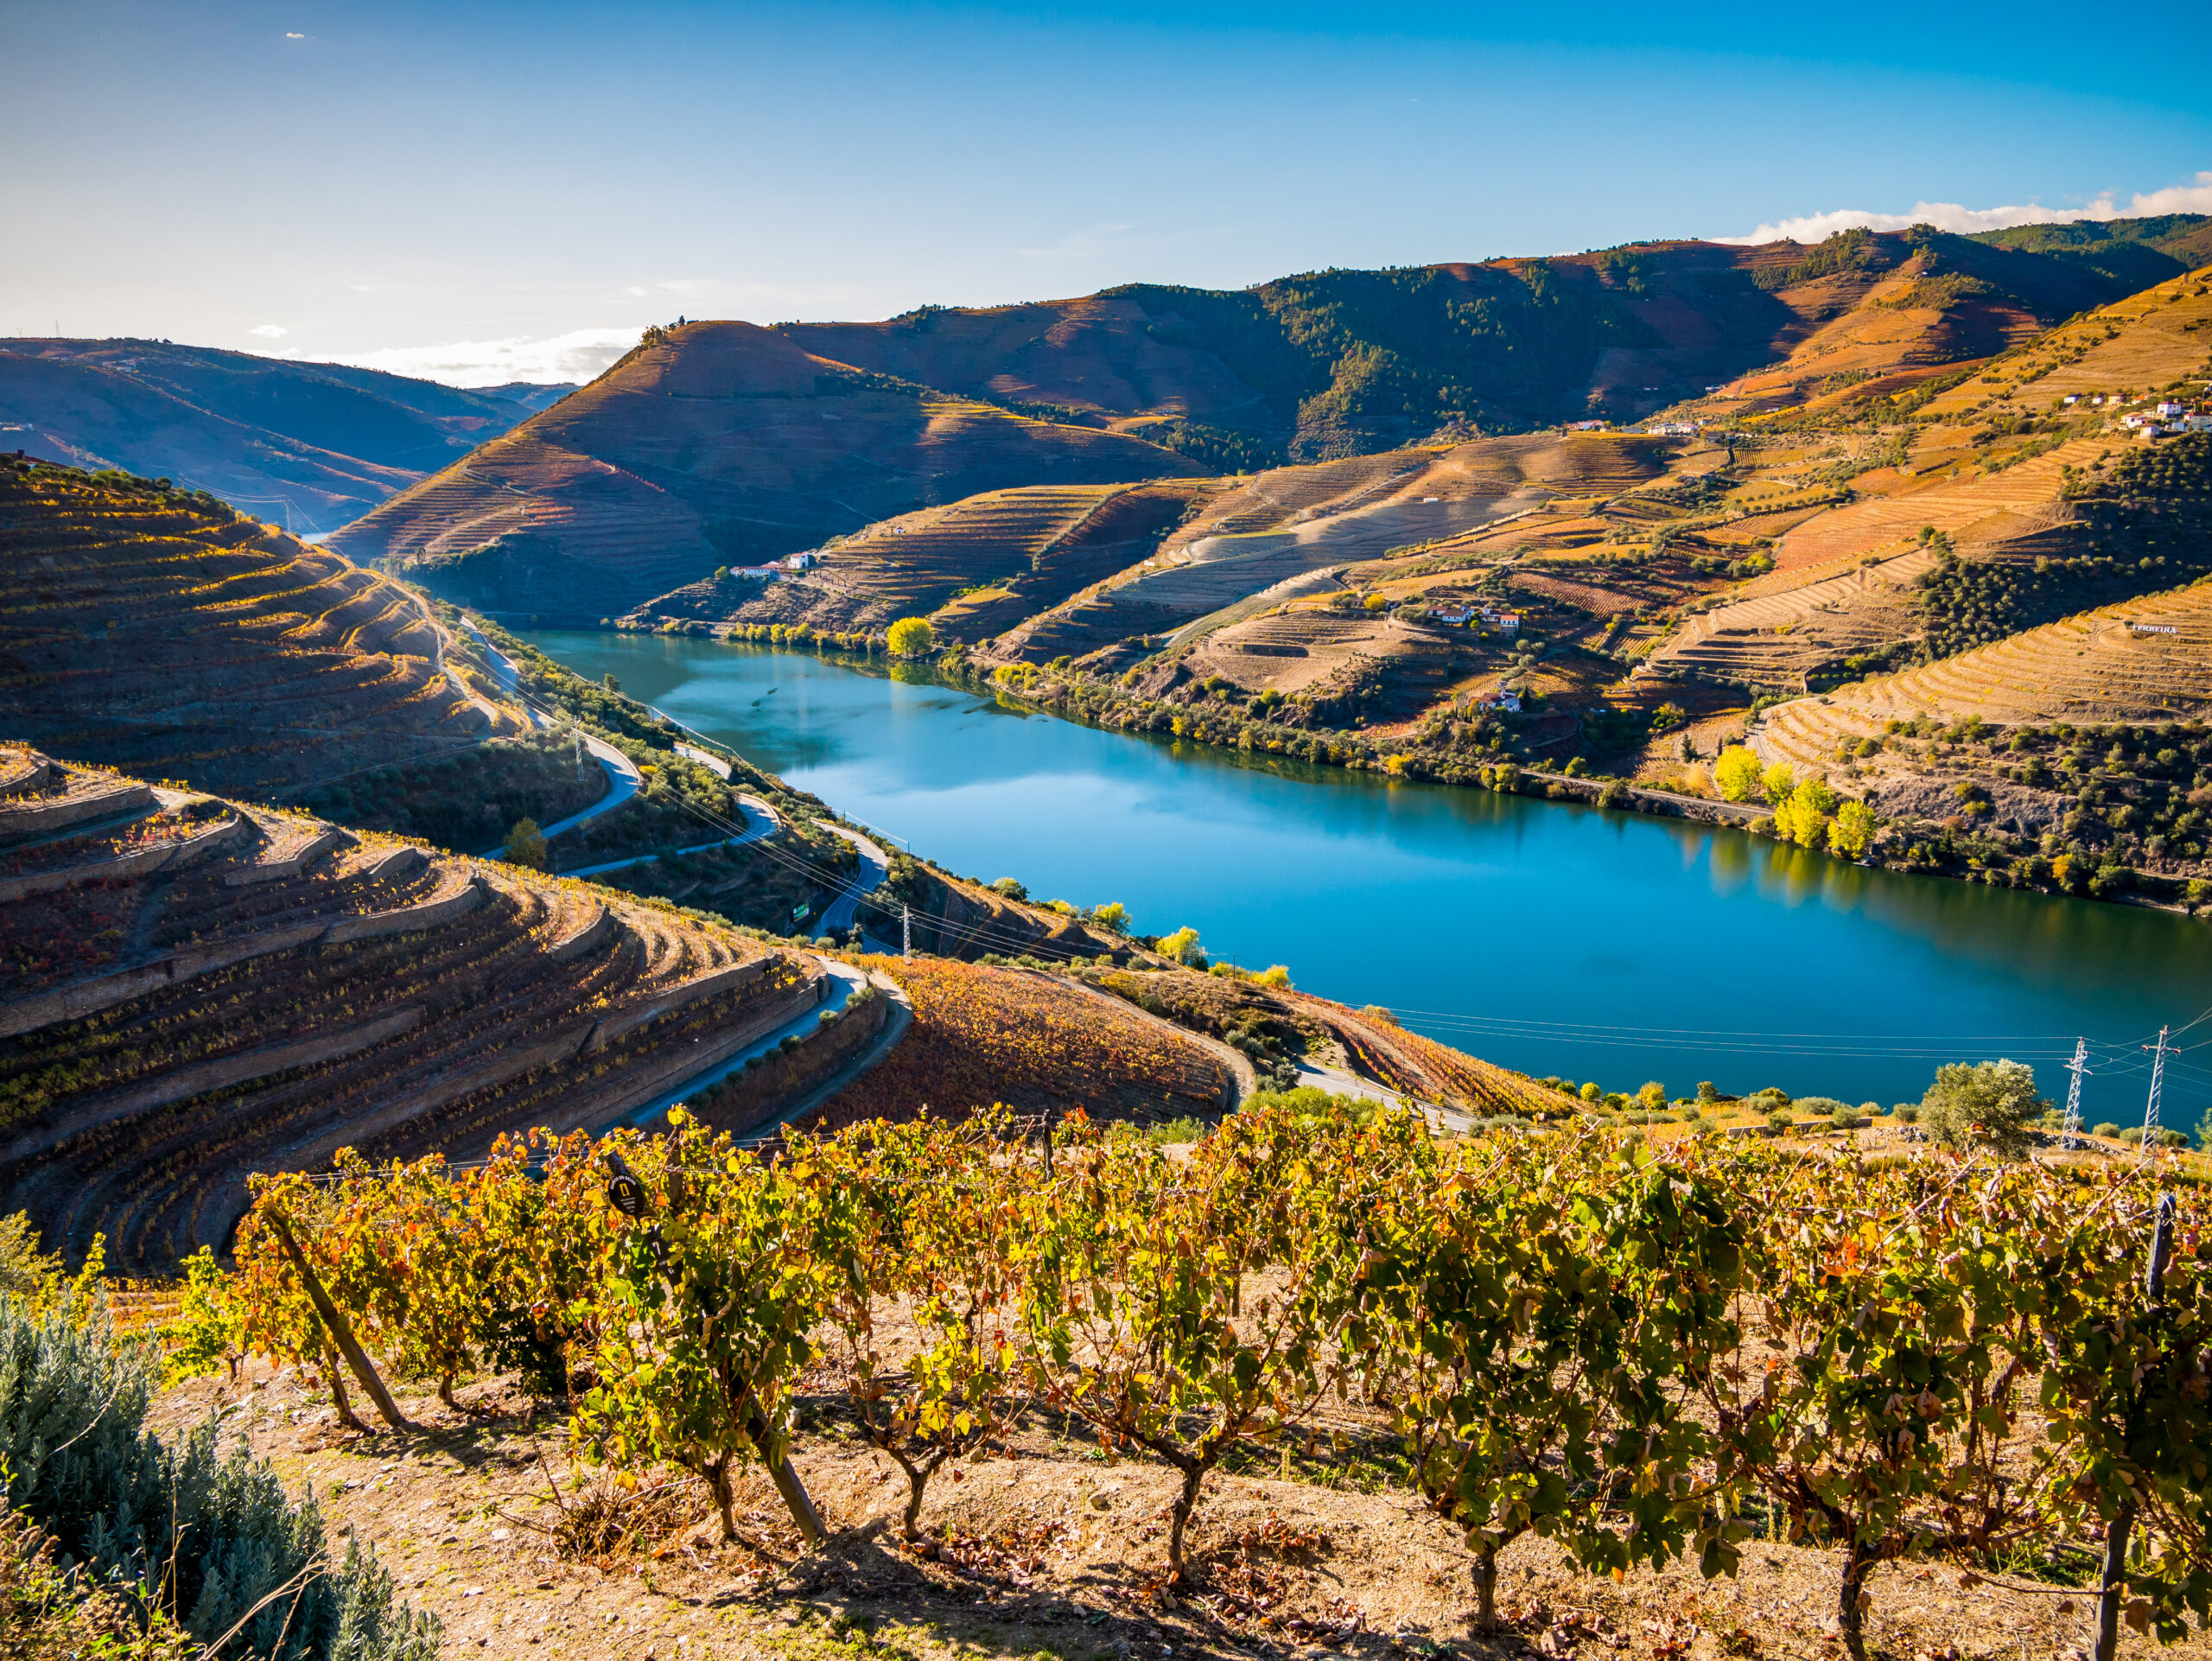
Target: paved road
(623,781)
(845,980)
(875,864)
(763,823)
(1339,1083)
(491,710)
(705,758)
(896,1019)
(622,778)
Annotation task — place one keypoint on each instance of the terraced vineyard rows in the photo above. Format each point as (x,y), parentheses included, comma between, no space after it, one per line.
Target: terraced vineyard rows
(984,1035)
(151,630)
(276,988)
(2142,660)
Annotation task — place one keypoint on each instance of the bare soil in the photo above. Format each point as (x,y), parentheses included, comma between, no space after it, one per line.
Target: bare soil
(1044,1548)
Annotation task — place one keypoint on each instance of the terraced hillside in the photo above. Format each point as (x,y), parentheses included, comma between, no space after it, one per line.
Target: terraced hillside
(2144,660)
(1034,1042)
(192,989)
(156,631)
(1268,541)
(713,444)
(2015,476)
(324,443)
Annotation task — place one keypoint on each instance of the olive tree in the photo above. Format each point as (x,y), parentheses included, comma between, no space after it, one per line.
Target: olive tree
(1990,1102)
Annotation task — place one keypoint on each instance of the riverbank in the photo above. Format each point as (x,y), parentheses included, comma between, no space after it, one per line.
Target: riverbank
(1537,932)
(1492,750)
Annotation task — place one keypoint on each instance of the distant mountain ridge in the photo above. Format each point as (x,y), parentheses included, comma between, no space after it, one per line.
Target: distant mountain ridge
(722,444)
(318,443)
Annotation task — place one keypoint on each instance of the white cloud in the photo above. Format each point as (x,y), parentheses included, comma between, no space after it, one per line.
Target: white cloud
(2196,198)
(578,355)
(290,36)
(270,331)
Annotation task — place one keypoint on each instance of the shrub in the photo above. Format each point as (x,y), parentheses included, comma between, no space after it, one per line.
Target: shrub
(525,846)
(1992,1102)
(1826,1106)
(220,1532)
(1780,1119)
(910,637)
(2108,1129)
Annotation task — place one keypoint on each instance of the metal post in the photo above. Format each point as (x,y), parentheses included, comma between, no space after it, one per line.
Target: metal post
(2112,1586)
(2158,1076)
(2078,1066)
(907,933)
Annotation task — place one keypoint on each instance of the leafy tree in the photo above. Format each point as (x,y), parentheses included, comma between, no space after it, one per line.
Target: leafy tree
(1853,831)
(1182,944)
(525,846)
(910,637)
(1113,915)
(1801,814)
(1992,1102)
(1776,782)
(1275,975)
(1736,772)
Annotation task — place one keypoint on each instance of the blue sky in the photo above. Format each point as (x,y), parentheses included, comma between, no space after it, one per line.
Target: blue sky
(478,190)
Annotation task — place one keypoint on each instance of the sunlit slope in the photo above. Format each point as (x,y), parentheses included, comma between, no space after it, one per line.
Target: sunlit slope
(193,990)
(1281,533)
(2141,660)
(156,632)
(721,444)
(1341,362)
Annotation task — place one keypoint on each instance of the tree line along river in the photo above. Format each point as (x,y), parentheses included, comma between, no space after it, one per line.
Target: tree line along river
(1550,936)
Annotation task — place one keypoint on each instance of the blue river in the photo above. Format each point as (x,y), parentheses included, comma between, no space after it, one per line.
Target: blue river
(1554,938)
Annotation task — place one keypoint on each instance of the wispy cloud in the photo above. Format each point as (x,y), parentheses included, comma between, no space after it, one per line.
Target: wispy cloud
(270,331)
(2196,198)
(578,355)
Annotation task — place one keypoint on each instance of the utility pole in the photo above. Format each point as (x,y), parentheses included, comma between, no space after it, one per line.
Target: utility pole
(2077,1066)
(2158,1076)
(905,932)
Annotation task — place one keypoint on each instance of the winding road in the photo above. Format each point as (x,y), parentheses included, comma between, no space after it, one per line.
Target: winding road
(762,822)
(622,778)
(847,980)
(875,864)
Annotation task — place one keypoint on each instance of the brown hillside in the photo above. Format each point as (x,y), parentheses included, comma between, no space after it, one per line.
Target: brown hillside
(191,990)
(1280,535)
(154,631)
(975,568)
(1338,362)
(2119,663)
(721,443)
(324,441)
